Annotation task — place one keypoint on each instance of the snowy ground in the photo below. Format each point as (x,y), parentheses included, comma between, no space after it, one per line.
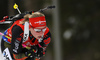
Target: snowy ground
(1,57)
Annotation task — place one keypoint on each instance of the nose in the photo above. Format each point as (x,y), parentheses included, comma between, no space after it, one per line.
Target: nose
(41,33)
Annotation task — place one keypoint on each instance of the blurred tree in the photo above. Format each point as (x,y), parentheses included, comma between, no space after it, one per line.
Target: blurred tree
(82,17)
(3,12)
(10,9)
(3,8)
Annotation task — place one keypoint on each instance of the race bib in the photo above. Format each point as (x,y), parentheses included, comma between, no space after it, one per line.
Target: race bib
(6,54)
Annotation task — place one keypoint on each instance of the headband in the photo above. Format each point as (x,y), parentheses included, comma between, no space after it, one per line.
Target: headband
(37,21)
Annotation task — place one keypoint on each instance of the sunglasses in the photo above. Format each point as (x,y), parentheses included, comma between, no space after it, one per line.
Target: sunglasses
(39,30)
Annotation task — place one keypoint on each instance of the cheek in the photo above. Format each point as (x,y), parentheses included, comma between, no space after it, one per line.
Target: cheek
(35,34)
(32,32)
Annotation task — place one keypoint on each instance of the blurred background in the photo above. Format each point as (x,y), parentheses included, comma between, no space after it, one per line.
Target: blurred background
(74,25)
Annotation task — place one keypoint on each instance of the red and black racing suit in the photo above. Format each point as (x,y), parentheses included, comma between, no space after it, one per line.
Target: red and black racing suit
(16,33)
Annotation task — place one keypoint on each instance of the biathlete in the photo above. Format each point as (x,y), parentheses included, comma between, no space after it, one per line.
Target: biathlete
(37,41)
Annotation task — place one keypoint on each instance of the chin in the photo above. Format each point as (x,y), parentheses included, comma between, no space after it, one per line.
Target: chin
(38,38)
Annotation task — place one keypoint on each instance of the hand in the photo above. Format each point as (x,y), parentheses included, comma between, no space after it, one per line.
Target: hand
(32,52)
(41,52)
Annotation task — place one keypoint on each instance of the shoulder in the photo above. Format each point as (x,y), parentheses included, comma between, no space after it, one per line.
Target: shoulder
(47,32)
(18,25)
(16,30)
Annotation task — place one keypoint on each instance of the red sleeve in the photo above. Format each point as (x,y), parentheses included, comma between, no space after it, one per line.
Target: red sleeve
(46,40)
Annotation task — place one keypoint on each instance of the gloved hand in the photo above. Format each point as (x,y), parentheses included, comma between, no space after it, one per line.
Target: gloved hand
(40,52)
(36,52)
(32,52)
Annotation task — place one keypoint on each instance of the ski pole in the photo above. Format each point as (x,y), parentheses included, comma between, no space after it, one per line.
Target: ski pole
(4,35)
(22,44)
(10,39)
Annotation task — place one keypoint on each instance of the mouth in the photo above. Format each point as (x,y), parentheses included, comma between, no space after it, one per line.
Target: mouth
(39,37)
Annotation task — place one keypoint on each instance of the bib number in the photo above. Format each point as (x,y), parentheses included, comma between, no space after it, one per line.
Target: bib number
(6,54)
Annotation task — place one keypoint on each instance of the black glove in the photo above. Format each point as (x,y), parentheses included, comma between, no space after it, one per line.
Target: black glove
(40,52)
(32,52)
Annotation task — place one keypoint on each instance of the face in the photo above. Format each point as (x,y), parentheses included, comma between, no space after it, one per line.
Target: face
(38,32)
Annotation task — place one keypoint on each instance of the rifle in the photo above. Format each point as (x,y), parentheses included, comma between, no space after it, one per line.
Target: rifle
(12,19)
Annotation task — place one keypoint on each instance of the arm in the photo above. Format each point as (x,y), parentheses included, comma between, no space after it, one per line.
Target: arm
(16,43)
(46,40)
(44,44)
